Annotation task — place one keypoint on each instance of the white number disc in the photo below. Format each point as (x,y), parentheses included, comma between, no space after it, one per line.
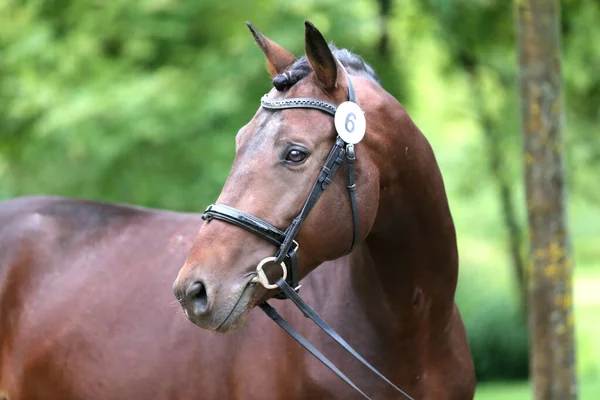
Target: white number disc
(350,122)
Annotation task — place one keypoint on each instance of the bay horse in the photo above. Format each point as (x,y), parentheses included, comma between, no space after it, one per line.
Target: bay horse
(86,288)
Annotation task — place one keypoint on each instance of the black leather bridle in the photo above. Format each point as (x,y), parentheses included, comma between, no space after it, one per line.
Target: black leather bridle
(286,255)
(288,247)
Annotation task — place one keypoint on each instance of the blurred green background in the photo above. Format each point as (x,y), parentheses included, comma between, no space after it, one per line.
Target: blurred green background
(139,102)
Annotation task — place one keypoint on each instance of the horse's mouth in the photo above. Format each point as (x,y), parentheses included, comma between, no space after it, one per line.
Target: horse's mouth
(240,311)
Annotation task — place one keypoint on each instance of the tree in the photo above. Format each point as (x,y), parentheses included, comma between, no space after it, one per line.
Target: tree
(551,319)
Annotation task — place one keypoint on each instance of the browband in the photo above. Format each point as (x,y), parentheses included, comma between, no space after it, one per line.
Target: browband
(282,104)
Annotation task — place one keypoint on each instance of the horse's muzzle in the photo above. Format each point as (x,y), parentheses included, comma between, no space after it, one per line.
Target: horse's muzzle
(217,306)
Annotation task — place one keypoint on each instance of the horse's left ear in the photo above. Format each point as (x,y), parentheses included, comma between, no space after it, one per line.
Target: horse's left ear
(320,58)
(278,58)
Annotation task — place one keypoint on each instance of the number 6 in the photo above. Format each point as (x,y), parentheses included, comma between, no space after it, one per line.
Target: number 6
(350,122)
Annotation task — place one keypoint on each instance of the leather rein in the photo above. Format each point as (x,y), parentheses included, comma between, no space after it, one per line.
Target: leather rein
(286,255)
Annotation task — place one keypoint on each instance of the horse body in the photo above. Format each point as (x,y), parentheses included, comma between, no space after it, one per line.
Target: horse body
(69,329)
(87,310)
(87,313)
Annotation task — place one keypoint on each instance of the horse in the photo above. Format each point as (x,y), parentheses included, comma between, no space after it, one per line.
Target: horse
(114,301)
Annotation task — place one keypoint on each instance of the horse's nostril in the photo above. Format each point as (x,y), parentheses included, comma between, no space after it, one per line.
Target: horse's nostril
(196,295)
(176,291)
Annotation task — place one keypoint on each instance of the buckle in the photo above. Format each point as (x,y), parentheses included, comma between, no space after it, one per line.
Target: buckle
(297,246)
(350,154)
(261,277)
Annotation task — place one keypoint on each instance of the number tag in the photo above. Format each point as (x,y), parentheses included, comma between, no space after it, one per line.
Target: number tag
(350,122)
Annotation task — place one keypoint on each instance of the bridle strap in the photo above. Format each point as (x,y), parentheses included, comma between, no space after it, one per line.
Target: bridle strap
(334,159)
(261,228)
(350,158)
(299,102)
(310,313)
(244,220)
(274,315)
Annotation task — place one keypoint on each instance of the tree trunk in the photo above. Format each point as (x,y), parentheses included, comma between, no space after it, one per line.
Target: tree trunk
(551,321)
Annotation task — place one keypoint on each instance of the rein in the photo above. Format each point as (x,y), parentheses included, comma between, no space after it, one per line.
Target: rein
(286,255)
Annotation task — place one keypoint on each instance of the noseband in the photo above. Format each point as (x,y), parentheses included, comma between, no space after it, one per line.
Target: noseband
(286,255)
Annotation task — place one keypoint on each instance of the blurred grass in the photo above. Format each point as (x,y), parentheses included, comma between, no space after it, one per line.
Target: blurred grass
(588,390)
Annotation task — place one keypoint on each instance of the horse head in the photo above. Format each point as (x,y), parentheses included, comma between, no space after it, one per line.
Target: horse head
(279,160)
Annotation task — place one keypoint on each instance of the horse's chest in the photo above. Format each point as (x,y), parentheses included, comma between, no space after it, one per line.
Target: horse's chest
(285,370)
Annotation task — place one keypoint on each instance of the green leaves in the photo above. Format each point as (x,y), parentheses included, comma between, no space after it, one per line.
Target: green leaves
(138,102)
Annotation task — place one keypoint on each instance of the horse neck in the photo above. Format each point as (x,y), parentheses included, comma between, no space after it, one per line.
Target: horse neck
(408,265)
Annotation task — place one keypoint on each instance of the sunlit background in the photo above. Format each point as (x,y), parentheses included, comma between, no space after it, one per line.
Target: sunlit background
(139,102)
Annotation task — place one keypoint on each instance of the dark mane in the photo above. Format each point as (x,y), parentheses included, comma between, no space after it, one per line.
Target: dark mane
(301,68)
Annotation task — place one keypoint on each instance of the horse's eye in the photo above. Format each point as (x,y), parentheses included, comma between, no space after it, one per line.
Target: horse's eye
(295,156)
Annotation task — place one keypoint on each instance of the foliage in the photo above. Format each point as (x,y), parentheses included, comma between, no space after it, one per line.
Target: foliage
(498,338)
(129,96)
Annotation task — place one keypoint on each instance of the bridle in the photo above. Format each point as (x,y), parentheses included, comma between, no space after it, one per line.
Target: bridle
(286,255)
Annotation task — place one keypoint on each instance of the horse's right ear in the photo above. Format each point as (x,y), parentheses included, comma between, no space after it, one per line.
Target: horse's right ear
(278,58)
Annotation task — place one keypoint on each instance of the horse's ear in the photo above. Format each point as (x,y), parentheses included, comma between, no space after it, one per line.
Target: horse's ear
(320,57)
(278,58)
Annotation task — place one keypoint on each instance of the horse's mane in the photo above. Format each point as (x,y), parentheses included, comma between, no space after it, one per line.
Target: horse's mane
(301,68)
